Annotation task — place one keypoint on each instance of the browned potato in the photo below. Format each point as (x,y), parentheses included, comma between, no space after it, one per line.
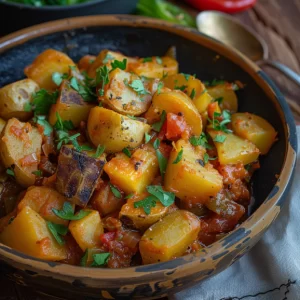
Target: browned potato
(70,106)
(20,148)
(114,131)
(85,62)
(45,64)
(77,175)
(29,234)
(14,97)
(170,237)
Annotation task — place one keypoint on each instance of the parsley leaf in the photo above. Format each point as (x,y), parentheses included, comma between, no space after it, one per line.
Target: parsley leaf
(158,60)
(158,125)
(162,161)
(126,152)
(147,59)
(219,100)
(116,64)
(63,125)
(100,259)
(115,191)
(107,58)
(129,196)
(156,144)
(42,101)
(37,173)
(166,198)
(165,75)
(28,107)
(67,212)
(147,137)
(186,76)
(84,258)
(99,151)
(159,87)
(200,141)
(206,158)
(220,138)
(65,138)
(221,125)
(41,120)
(181,88)
(74,84)
(214,82)
(178,158)
(102,77)
(57,231)
(138,86)
(146,204)
(193,94)
(10,172)
(57,78)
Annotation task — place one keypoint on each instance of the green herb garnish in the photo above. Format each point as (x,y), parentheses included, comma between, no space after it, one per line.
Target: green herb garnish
(126,152)
(147,137)
(100,259)
(158,125)
(67,213)
(10,172)
(221,125)
(57,78)
(159,87)
(115,191)
(107,58)
(193,94)
(63,125)
(57,231)
(41,120)
(147,59)
(200,141)
(178,158)
(100,150)
(116,64)
(220,138)
(37,173)
(162,161)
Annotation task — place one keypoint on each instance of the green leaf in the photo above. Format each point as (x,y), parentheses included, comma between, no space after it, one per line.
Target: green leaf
(178,158)
(37,173)
(165,75)
(219,100)
(102,78)
(147,59)
(63,125)
(86,148)
(115,191)
(181,88)
(156,144)
(159,87)
(41,120)
(220,126)
(138,86)
(206,158)
(67,212)
(28,107)
(158,125)
(84,258)
(220,138)
(166,198)
(116,64)
(193,93)
(126,152)
(99,151)
(147,138)
(10,172)
(214,82)
(186,76)
(107,58)
(74,84)
(129,196)
(200,141)
(162,162)
(100,259)
(146,204)
(42,101)
(57,78)
(57,230)
(159,60)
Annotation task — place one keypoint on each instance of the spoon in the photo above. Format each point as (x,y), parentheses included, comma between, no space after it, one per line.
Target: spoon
(228,30)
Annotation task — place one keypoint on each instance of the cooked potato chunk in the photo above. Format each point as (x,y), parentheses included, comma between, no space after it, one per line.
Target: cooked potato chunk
(77,175)
(135,173)
(234,149)
(43,199)
(225,91)
(191,86)
(188,179)
(85,62)
(157,67)
(14,97)
(114,131)
(45,65)
(105,201)
(137,218)
(122,98)
(29,234)
(175,102)
(87,230)
(20,147)
(170,237)
(70,106)
(255,129)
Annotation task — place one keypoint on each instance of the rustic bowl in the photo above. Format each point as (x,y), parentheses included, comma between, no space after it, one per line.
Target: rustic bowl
(198,54)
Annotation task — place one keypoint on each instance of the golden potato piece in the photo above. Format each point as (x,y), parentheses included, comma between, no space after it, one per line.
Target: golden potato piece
(29,233)
(43,199)
(20,147)
(175,102)
(189,179)
(234,149)
(135,173)
(114,131)
(87,230)
(45,64)
(14,97)
(85,62)
(255,129)
(170,237)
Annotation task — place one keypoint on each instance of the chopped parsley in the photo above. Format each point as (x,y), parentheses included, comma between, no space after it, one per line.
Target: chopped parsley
(107,58)
(147,59)
(63,125)
(100,259)
(178,158)
(158,60)
(146,204)
(57,78)
(193,94)
(186,76)
(138,86)
(115,191)
(221,125)
(162,161)
(41,120)
(200,141)
(206,158)
(219,100)
(220,138)
(102,78)
(158,125)
(147,137)
(65,138)
(37,173)
(99,151)
(10,172)
(214,82)
(67,213)
(116,64)
(57,230)
(126,152)
(159,87)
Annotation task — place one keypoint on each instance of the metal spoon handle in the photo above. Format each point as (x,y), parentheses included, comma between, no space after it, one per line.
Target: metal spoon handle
(283,69)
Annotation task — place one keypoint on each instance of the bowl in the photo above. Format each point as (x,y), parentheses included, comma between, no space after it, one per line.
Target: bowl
(24,15)
(209,59)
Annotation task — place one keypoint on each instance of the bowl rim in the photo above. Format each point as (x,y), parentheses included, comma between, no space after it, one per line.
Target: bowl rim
(52,7)
(188,264)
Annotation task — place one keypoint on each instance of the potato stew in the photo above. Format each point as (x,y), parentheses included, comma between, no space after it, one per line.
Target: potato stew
(118,161)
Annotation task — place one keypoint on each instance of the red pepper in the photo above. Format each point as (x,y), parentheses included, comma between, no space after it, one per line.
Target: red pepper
(228,6)
(176,125)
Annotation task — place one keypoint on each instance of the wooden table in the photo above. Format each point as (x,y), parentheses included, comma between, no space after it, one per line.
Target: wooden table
(278,22)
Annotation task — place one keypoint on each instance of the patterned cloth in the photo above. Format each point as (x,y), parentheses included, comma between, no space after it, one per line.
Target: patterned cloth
(271,270)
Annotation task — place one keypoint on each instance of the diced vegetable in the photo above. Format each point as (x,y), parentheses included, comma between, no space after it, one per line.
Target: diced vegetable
(175,102)
(45,64)
(29,234)
(14,98)
(70,106)
(77,175)
(191,178)
(255,129)
(20,147)
(85,62)
(135,173)
(115,131)
(87,230)
(170,237)
(42,200)
(234,149)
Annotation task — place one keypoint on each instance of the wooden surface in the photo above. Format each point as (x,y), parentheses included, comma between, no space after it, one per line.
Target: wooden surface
(278,22)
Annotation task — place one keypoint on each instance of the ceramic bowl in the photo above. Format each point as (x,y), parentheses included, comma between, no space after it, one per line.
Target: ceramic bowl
(209,59)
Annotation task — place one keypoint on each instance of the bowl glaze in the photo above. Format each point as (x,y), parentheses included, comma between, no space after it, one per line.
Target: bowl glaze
(198,54)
